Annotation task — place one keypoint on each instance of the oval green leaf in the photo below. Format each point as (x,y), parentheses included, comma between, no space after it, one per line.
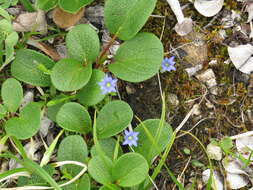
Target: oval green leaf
(74,117)
(91,94)
(3,111)
(146,146)
(83,43)
(100,169)
(26,67)
(108,146)
(46,5)
(70,75)
(113,118)
(12,94)
(73,6)
(126,17)
(130,170)
(27,125)
(73,148)
(138,59)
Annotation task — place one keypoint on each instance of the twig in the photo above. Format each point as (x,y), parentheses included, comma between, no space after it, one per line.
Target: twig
(180,176)
(247,134)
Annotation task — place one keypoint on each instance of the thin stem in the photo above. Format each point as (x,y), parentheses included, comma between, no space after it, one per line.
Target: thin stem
(27,5)
(107,48)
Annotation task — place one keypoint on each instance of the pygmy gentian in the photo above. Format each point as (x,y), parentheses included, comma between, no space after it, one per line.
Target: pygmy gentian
(130,138)
(108,84)
(168,64)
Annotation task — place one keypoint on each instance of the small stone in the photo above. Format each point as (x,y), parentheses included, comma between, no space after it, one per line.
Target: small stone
(214,151)
(172,99)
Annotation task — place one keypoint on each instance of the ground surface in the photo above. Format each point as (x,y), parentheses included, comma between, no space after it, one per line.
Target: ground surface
(223,114)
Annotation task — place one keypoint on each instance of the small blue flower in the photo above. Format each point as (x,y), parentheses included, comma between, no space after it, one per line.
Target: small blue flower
(130,138)
(108,84)
(168,64)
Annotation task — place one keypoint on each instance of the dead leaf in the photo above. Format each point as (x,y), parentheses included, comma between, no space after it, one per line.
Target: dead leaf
(28,22)
(64,19)
(45,48)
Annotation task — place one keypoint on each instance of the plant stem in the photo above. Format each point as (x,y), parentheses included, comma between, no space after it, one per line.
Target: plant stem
(27,5)
(106,48)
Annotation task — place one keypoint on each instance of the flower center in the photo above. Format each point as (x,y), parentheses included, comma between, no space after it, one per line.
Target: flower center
(166,64)
(130,138)
(108,84)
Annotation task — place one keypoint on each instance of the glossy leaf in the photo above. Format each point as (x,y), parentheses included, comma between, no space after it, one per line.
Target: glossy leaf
(70,75)
(138,59)
(91,94)
(12,94)
(74,117)
(127,17)
(26,67)
(113,118)
(74,148)
(83,43)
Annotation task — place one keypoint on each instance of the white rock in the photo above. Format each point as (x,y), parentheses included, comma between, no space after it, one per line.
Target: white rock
(244,144)
(27,22)
(44,126)
(249,9)
(241,57)
(217,182)
(28,97)
(214,151)
(208,8)
(236,181)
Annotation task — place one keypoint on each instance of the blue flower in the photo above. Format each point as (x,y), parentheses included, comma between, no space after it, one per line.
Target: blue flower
(168,64)
(108,84)
(130,138)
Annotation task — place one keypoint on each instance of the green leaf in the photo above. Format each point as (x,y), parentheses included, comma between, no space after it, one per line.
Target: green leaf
(100,169)
(113,118)
(127,17)
(109,187)
(46,5)
(138,59)
(27,124)
(73,6)
(12,94)
(84,183)
(3,111)
(6,26)
(146,146)
(73,148)
(226,144)
(5,14)
(10,42)
(33,167)
(83,43)
(25,67)
(130,170)
(74,117)
(91,94)
(108,146)
(57,103)
(70,75)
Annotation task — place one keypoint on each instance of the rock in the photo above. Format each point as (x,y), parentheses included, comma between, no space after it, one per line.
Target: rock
(28,22)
